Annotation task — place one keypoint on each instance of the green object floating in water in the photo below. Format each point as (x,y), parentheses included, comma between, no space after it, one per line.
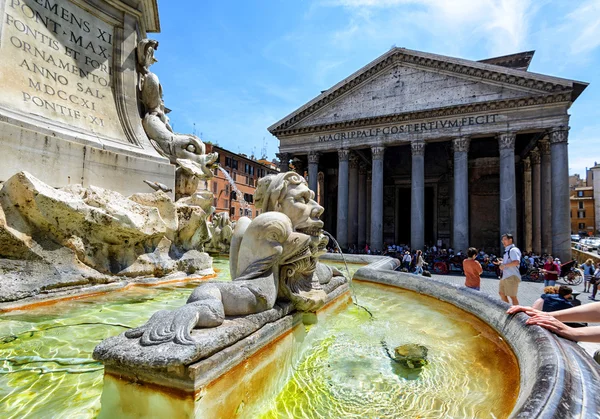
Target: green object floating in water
(411,355)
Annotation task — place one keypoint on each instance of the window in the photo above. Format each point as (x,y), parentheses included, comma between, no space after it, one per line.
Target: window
(234,163)
(214,187)
(247,180)
(257,213)
(227,161)
(580,204)
(241,212)
(227,203)
(582,226)
(226,189)
(245,167)
(231,211)
(215,202)
(233,195)
(579,193)
(234,177)
(580,214)
(249,198)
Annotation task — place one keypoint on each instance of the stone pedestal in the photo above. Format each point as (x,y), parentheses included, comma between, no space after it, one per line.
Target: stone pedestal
(313,172)
(417,209)
(546,196)
(362,206)
(377,198)
(528,227)
(353,200)
(342,213)
(561,206)
(508,197)
(461,194)
(536,202)
(69,113)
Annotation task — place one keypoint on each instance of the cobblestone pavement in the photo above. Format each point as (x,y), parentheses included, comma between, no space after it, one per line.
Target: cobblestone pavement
(528,293)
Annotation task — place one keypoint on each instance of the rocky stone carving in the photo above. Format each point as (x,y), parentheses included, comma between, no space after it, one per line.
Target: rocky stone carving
(221,229)
(274,269)
(186,151)
(88,234)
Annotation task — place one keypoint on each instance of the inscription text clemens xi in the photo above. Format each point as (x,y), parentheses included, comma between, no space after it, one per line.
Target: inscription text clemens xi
(57,63)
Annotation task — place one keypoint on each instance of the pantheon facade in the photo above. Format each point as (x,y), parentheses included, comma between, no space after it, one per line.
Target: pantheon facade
(417,148)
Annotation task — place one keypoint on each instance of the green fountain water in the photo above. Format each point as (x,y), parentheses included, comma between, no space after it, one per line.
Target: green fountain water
(47,370)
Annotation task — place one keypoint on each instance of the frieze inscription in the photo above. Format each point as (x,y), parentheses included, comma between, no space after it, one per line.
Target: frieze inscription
(410,128)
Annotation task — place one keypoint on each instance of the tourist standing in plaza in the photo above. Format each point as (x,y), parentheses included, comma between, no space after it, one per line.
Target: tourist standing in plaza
(588,269)
(550,270)
(472,269)
(511,277)
(419,262)
(594,281)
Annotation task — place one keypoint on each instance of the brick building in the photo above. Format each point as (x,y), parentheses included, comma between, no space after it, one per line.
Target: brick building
(582,210)
(245,172)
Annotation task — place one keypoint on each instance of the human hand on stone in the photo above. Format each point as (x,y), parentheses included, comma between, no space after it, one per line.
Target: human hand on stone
(552,324)
(523,309)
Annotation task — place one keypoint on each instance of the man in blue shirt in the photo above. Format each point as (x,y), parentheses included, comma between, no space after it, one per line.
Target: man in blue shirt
(555,302)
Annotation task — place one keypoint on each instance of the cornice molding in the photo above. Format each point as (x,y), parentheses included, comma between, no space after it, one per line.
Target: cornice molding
(491,106)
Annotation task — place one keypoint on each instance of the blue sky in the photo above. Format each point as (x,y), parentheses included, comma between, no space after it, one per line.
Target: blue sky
(233,68)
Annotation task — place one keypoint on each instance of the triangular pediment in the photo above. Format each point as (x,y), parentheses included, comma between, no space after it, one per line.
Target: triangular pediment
(403,81)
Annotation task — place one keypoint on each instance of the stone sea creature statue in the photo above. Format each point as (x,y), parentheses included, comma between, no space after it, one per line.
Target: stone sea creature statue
(273,257)
(289,193)
(221,228)
(268,243)
(186,151)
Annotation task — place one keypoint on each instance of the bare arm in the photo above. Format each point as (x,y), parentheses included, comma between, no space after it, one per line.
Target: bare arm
(578,334)
(583,313)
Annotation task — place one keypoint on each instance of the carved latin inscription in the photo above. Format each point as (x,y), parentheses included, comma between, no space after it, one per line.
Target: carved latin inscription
(57,63)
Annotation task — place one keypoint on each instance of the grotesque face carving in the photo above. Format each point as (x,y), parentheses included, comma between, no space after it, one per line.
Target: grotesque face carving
(298,203)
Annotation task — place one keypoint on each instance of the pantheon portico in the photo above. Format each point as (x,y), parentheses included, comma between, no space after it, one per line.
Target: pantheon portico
(419,148)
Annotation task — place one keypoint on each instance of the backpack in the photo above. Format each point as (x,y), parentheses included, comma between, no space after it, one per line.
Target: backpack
(523,267)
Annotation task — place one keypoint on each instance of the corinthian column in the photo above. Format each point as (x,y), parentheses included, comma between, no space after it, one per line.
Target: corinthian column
(284,161)
(353,200)
(536,202)
(561,225)
(461,194)
(377,199)
(508,198)
(313,171)
(417,209)
(342,215)
(546,182)
(362,206)
(528,204)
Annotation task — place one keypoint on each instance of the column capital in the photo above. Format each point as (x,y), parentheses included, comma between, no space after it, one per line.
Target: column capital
(559,134)
(527,163)
(353,160)
(507,140)
(417,147)
(535,156)
(461,144)
(377,152)
(362,169)
(343,154)
(544,146)
(284,157)
(298,166)
(313,157)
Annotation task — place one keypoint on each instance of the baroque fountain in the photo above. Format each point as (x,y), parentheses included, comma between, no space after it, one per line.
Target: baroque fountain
(279,331)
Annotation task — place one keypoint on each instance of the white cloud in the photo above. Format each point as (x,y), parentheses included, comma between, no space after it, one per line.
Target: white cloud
(502,24)
(585,22)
